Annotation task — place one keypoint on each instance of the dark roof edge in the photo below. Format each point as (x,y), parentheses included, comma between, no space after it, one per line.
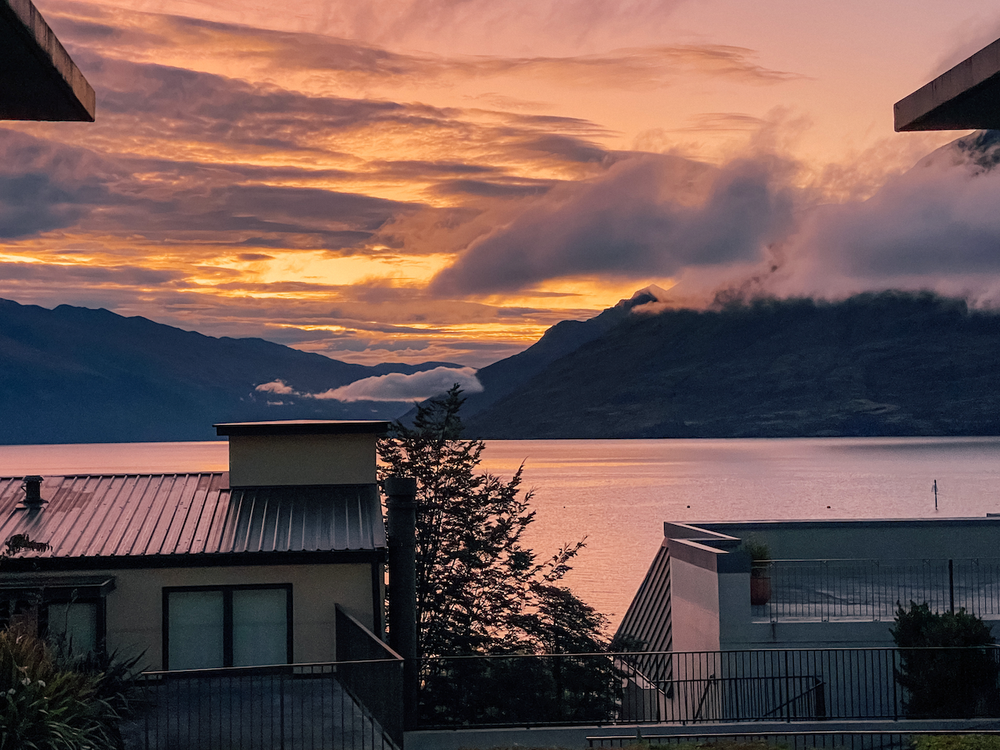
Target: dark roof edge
(304,427)
(912,112)
(726,527)
(219,560)
(43,41)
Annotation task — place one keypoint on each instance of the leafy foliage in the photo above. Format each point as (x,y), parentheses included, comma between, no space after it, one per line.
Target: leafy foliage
(52,698)
(46,707)
(528,689)
(479,589)
(952,669)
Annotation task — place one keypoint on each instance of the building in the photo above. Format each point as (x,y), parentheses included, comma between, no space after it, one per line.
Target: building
(832,583)
(815,639)
(236,568)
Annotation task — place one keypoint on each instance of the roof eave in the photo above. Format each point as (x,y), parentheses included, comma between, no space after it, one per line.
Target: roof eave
(966,97)
(38,78)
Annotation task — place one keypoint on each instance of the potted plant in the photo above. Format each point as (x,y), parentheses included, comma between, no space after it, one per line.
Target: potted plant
(760,571)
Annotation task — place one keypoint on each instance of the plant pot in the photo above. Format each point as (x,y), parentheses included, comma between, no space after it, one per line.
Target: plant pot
(760,590)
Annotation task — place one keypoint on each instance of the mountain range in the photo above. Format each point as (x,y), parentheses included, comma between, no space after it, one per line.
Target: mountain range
(891,363)
(74,374)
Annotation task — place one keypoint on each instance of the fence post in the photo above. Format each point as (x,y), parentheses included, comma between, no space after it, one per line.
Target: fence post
(821,700)
(401,511)
(951,585)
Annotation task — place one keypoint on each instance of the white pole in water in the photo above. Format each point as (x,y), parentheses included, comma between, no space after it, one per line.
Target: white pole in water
(935,494)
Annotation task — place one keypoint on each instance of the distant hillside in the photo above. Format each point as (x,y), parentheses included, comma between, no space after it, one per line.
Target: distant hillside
(875,364)
(565,337)
(79,375)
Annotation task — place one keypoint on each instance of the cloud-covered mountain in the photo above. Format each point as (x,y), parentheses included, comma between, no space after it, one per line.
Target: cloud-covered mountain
(888,363)
(74,374)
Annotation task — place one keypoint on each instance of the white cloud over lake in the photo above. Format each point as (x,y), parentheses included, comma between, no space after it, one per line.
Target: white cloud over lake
(395,386)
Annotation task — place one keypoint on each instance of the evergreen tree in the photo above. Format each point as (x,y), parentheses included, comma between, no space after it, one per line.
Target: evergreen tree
(479,589)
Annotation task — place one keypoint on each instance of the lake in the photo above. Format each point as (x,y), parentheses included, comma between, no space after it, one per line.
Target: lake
(618,493)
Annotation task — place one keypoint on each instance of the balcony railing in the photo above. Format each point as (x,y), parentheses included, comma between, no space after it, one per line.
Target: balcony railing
(873,589)
(354,703)
(289,706)
(695,687)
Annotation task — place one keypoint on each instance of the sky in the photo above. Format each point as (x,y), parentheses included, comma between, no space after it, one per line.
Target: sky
(442,180)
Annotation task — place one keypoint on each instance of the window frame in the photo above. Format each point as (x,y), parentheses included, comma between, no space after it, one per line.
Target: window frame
(227,616)
(40,598)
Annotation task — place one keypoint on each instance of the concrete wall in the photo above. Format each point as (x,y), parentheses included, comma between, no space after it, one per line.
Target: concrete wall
(135,607)
(275,460)
(694,596)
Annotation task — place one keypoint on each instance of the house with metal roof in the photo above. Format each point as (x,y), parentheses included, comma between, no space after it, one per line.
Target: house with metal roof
(236,568)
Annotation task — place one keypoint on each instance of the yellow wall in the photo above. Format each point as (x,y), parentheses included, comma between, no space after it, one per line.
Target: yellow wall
(135,607)
(272,460)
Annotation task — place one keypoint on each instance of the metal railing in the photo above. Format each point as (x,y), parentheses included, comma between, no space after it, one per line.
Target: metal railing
(378,691)
(707,686)
(873,589)
(283,707)
(354,703)
(842,740)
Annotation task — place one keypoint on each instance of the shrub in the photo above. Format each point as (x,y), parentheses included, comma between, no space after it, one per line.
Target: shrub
(952,669)
(46,707)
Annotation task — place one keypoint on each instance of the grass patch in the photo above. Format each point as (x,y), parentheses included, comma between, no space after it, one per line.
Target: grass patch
(958,742)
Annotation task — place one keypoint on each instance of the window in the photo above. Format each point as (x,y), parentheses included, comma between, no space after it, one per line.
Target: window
(69,610)
(227,626)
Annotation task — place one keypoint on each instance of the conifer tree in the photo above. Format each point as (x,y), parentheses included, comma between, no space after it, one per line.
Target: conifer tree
(479,588)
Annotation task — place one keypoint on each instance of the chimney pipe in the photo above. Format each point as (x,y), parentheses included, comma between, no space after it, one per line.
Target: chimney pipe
(32,486)
(401,507)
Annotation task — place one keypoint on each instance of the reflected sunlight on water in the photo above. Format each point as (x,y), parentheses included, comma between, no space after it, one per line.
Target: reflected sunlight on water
(618,493)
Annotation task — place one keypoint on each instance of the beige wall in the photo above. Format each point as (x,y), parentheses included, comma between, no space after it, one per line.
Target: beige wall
(273,460)
(135,607)
(694,602)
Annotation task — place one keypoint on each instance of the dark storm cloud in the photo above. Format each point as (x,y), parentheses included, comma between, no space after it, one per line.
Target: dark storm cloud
(637,219)
(32,203)
(174,103)
(77,274)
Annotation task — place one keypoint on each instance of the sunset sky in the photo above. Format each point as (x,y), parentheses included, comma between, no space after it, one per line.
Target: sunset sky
(394,180)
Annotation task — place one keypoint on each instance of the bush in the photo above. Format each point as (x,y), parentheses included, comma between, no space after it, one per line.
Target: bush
(952,670)
(44,706)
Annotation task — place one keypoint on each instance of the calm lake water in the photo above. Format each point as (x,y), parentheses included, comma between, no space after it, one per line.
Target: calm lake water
(618,493)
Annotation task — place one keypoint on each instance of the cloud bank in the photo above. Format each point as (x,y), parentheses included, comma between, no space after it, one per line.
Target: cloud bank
(392,387)
(647,216)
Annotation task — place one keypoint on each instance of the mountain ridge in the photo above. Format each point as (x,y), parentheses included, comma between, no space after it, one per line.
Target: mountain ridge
(74,374)
(890,363)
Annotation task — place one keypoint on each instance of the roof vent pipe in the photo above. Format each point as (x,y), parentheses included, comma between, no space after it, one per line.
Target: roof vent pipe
(32,486)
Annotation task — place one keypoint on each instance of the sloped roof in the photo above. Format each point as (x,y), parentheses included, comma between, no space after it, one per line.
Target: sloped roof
(141,515)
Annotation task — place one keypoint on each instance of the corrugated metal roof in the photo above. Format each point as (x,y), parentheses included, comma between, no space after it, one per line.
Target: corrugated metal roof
(133,515)
(647,625)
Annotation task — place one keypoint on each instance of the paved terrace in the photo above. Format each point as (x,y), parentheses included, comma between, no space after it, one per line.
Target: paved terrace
(871,590)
